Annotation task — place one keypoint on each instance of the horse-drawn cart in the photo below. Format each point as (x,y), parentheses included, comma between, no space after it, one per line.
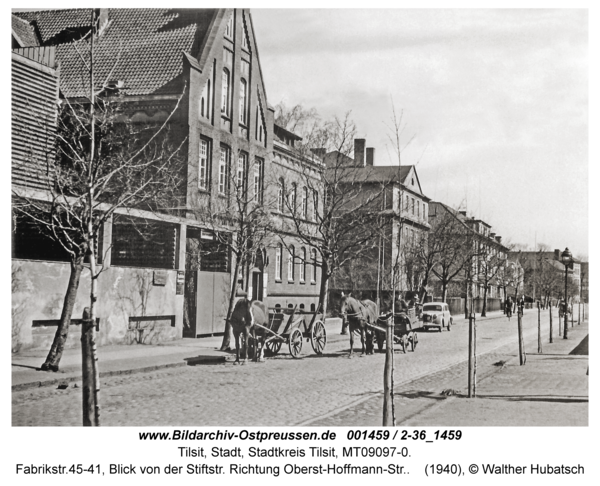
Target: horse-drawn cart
(404,334)
(291,327)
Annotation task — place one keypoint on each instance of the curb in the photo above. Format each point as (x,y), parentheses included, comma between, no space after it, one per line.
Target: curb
(106,374)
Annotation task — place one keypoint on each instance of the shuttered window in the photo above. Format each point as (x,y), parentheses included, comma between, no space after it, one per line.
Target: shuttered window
(139,242)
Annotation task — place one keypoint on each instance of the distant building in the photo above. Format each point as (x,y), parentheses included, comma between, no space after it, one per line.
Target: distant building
(400,197)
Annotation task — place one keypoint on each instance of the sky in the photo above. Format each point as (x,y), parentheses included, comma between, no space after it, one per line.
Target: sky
(497,102)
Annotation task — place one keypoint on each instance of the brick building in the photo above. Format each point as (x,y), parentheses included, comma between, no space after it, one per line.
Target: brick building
(202,65)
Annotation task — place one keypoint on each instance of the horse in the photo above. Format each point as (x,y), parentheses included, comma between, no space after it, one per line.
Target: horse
(359,314)
(243,318)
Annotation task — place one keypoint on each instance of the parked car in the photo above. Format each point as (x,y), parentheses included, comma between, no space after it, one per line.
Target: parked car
(436,314)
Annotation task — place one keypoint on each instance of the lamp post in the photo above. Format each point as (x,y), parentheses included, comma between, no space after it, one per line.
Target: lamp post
(567,260)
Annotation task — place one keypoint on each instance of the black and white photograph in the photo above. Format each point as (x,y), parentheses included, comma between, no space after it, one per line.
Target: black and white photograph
(365,222)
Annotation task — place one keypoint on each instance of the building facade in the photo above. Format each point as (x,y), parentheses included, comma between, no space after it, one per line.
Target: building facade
(197,70)
(389,264)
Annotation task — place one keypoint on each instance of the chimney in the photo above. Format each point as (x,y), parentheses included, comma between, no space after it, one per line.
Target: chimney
(319,152)
(499,239)
(359,152)
(370,156)
(463,213)
(557,255)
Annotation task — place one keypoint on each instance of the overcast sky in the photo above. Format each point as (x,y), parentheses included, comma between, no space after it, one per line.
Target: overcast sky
(497,99)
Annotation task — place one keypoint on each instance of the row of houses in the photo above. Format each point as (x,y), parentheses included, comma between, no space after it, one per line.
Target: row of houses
(200,70)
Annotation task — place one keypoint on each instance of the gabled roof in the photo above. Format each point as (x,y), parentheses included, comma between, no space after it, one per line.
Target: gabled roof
(24,32)
(141,47)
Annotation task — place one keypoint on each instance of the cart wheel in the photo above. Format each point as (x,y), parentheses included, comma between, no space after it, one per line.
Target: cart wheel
(318,337)
(404,342)
(295,343)
(273,346)
(414,341)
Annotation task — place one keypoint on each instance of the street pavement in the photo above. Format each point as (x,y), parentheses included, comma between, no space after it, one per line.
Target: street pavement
(190,382)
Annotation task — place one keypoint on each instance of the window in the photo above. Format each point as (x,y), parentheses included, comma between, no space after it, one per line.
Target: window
(225,105)
(215,255)
(280,193)
(304,202)
(278,262)
(413,205)
(418,210)
(316,204)
(241,172)
(245,42)
(291,256)
(424,211)
(204,165)
(303,264)
(292,198)
(229,28)
(243,108)
(224,169)
(245,67)
(31,242)
(258,180)
(407,205)
(138,242)
(206,97)
(313,273)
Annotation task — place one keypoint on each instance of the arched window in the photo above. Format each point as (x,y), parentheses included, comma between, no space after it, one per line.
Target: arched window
(292,198)
(243,107)
(291,256)
(302,264)
(280,193)
(206,97)
(313,273)
(225,108)
(278,263)
(304,202)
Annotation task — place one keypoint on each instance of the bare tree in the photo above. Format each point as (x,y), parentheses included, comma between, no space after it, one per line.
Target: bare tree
(103,162)
(454,250)
(242,223)
(345,216)
(491,260)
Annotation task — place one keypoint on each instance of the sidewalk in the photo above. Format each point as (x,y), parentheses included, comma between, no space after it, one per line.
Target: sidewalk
(126,359)
(550,389)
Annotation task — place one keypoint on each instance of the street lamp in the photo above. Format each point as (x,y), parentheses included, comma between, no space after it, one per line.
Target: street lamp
(567,260)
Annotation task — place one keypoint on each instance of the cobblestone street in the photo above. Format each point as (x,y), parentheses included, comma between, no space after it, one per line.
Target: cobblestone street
(282,391)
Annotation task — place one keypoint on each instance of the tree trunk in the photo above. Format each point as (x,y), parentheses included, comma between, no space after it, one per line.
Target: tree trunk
(324,288)
(226,343)
(389,419)
(484,306)
(62,332)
